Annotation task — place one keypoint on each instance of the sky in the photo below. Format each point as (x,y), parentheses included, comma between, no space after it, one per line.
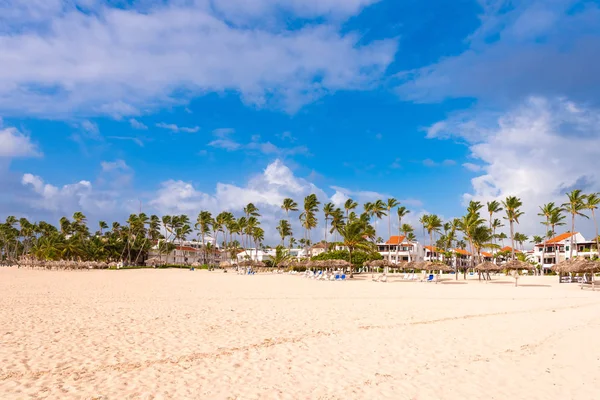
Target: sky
(177,106)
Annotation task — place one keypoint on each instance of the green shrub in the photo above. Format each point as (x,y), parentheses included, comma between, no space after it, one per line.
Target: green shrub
(358,257)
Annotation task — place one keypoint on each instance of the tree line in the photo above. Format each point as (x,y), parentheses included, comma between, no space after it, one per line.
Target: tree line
(132,241)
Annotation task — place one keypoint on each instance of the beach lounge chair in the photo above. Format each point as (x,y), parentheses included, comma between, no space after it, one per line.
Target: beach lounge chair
(375,278)
(383,278)
(343,277)
(337,277)
(430,278)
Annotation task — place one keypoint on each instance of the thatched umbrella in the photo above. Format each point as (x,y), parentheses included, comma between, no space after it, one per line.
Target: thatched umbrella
(487,267)
(516,266)
(246,263)
(381,264)
(436,266)
(224,264)
(341,264)
(592,267)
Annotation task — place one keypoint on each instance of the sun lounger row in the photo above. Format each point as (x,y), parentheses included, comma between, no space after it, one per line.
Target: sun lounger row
(325,276)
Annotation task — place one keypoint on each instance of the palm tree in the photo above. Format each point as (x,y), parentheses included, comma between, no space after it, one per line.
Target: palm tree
(348,206)
(592,204)
(402,212)
(203,223)
(353,236)
(502,236)
(285,229)
(407,229)
(546,211)
(432,224)
(102,225)
(328,210)
(512,206)
(391,203)
(575,206)
(376,209)
(308,217)
(289,205)
(337,221)
(492,208)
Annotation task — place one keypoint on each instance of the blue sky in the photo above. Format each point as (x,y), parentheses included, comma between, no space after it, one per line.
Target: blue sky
(191,105)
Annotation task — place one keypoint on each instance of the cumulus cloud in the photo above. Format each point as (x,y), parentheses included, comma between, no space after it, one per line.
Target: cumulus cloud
(135,58)
(530,48)
(16,144)
(267,190)
(538,151)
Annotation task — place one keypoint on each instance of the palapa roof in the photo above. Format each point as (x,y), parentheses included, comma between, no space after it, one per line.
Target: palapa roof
(576,265)
(488,266)
(380,263)
(517,265)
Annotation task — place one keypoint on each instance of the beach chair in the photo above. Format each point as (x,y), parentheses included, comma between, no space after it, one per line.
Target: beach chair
(375,278)
(430,278)
(343,277)
(406,277)
(383,278)
(337,277)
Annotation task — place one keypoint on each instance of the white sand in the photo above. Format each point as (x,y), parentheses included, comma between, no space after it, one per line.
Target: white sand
(176,334)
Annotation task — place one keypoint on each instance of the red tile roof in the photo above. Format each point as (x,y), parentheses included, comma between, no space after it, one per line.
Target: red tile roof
(508,248)
(435,249)
(486,254)
(187,248)
(559,238)
(396,240)
(462,251)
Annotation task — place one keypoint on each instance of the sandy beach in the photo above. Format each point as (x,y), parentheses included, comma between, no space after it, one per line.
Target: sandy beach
(176,334)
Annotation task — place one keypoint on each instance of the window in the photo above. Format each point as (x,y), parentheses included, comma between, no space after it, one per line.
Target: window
(566,248)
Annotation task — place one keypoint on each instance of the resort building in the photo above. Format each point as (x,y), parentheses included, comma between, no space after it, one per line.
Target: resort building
(401,250)
(558,249)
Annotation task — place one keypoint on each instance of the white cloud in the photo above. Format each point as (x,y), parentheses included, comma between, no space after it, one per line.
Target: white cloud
(428,162)
(108,197)
(131,60)
(472,167)
(538,151)
(521,48)
(223,141)
(119,165)
(226,144)
(133,139)
(91,129)
(135,124)
(266,190)
(16,144)
(176,128)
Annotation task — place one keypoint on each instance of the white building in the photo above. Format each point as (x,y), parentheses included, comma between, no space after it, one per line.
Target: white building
(400,250)
(558,249)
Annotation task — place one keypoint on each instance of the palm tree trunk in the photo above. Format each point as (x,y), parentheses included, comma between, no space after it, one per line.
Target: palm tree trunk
(572,235)
(544,246)
(512,240)
(326,247)
(350,258)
